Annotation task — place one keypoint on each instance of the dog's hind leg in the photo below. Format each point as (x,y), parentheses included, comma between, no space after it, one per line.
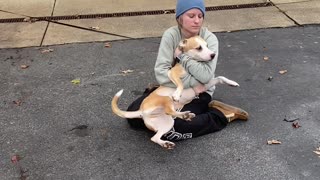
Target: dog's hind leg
(157,139)
(161,125)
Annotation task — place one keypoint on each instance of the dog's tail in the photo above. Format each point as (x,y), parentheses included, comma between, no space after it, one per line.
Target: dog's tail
(119,112)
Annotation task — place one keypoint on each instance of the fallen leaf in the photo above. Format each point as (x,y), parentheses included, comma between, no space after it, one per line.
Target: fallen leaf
(47,50)
(30,20)
(127,71)
(273,142)
(24,66)
(283,71)
(23,176)
(17,102)
(76,81)
(295,125)
(107,45)
(317,152)
(27,19)
(95,27)
(79,127)
(270,78)
(15,159)
(266,58)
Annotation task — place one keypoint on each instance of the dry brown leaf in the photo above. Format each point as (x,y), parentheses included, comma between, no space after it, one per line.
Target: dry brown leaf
(34,20)
(127,71)
(24,66)
(27,19)
(47,50)
(295,125)
(317,152)
(15,159)
(107,45)
(95,27)
(273,142)
(283,71)
(266,58)
(30,20)
(17,102)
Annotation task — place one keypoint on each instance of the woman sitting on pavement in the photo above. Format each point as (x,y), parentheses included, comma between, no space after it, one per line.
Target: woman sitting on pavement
(211,116)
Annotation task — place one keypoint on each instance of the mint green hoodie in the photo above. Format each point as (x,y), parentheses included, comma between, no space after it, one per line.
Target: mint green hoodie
(198,72)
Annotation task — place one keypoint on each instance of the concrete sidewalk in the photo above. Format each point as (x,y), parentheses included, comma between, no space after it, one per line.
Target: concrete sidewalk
(282,13)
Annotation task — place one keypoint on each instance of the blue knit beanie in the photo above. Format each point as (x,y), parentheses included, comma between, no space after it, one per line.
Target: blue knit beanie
(185,5)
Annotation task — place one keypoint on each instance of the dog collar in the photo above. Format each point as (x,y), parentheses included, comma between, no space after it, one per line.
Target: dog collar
(177,59)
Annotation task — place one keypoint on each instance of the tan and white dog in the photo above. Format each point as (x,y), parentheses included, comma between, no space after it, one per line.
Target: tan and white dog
(158,109)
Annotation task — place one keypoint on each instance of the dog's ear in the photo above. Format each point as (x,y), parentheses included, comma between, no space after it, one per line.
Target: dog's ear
(182,45)
(185,41)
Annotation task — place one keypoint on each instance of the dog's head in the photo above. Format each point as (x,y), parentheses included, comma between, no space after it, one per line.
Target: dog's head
(196,48)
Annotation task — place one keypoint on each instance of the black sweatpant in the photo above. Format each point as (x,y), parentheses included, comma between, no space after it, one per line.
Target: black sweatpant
(207,120)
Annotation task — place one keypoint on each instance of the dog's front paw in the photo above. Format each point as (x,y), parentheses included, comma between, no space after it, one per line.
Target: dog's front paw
(176,96)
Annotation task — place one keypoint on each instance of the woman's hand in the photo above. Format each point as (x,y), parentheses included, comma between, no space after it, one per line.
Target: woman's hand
(200,88)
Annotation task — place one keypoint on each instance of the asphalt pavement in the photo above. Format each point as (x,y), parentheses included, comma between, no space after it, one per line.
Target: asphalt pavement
(52,127)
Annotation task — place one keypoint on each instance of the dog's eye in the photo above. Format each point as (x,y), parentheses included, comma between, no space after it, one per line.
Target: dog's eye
(199,48)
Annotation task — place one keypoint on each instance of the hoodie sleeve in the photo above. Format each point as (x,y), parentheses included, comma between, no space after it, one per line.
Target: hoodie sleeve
(164,60)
